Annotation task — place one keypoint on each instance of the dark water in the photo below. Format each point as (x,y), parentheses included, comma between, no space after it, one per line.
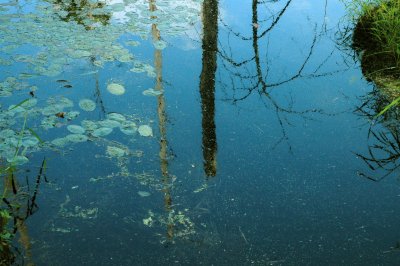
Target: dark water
(258,136)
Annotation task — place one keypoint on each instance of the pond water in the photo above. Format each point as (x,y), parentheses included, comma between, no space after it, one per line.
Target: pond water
(191,133)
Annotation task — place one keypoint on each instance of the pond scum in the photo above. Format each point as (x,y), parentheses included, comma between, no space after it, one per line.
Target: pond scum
(39,41)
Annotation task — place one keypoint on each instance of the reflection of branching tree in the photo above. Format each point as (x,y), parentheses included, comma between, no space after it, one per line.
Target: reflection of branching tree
(17,204)
(258,81)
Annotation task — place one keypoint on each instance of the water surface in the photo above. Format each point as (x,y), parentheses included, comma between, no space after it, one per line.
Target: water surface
(259,124)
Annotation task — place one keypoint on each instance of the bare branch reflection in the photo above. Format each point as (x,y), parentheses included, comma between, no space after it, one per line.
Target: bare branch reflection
(251,75)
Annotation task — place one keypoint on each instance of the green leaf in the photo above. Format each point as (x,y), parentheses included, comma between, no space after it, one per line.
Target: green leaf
(21,103)
(393,103)
(35,135)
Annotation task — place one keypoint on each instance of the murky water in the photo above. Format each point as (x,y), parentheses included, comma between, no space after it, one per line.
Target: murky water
(191,133)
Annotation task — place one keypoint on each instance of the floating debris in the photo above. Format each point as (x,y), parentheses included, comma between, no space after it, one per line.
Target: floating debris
(60,114)
(116,89)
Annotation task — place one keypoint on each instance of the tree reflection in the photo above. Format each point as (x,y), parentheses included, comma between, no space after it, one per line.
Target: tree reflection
(162,122)
(259,81)
(207,85)
(18,204)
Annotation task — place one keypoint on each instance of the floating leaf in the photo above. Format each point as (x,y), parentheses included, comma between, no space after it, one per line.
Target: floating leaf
(116,89)
(144,193)
(89,125)
(109,123)
(145,131)
(87,105)
(71,115)
(160,45)
(77,138)
(101,132)
(116,117)
(29,141)
(60,142)
(76,129)
(152,92)
(128,128)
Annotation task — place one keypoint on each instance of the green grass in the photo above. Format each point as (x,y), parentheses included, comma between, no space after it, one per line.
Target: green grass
(377,32)
(383,19)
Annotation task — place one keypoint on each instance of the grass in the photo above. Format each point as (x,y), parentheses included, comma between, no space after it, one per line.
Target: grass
(382,19)
(377,37)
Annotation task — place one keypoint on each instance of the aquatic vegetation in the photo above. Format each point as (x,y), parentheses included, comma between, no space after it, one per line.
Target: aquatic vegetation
(144,193)
(109,123)
(376,39)
(101,132)
(116,89)
(76,129)
(128,128)
(113,151)
(87,105)
(77,138)
(60,142)
(160,45)
(145,131)
(116,117)
(89,125)
(18,160)
(152,92)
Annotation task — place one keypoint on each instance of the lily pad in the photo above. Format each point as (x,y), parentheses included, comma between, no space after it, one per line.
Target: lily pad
(60,142)
(87,105)
(152,92)
(160,45)
(29,142)
(145,131)
(89,125)
(144,193)
(101,132)
(76,129)
(116,89)
(109,123)
(116,117)
(128,128)
(77,138)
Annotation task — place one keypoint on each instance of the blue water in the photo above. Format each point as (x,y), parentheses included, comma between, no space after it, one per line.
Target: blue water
(286,184)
